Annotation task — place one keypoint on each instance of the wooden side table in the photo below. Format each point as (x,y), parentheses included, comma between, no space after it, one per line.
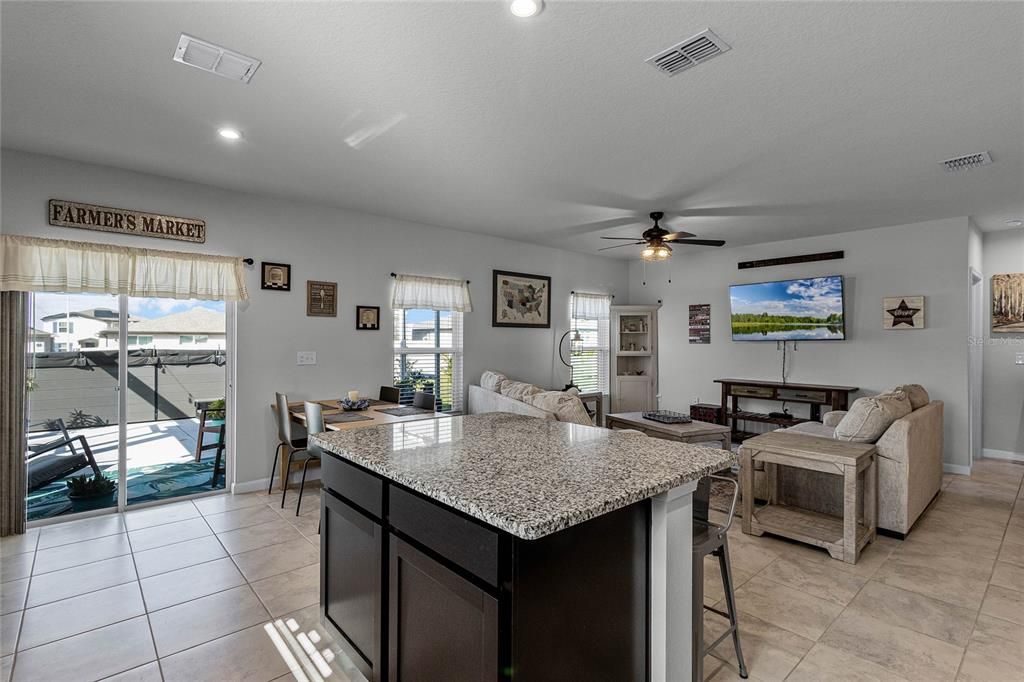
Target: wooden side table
(694,432)
(842,537)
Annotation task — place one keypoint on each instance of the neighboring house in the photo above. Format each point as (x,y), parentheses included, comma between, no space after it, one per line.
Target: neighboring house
(39,341)
(78,329)
(196,329)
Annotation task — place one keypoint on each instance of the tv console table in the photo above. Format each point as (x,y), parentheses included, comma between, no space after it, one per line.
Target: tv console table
(814,395)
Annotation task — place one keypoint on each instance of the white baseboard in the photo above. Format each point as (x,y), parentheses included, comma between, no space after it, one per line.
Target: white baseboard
(1002,454)
(958,469)
(262,483)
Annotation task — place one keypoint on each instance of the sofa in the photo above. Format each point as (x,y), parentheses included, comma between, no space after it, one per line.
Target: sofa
(498,393)
(909,458)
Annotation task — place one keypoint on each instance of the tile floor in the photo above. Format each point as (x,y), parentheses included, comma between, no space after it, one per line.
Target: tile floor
(945,604)
(221,588)
(225,589)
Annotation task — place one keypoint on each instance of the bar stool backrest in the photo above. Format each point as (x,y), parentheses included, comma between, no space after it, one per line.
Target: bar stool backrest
(284,420)
(314,418)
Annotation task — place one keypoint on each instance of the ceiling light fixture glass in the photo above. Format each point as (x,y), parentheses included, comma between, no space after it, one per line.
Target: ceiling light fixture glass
(656,252)
(526,8)
(230,133)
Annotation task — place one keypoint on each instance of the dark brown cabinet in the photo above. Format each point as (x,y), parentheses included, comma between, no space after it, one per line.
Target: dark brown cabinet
(442,626)
(351,581)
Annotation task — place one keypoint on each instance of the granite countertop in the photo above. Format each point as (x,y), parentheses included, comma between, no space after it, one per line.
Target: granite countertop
(529,477)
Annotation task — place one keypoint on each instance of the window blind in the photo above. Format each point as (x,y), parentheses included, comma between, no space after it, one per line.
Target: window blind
(428,356)
(590,315)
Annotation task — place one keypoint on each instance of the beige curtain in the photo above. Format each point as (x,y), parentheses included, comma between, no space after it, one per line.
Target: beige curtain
(431,293)
(59,265)
(13,343)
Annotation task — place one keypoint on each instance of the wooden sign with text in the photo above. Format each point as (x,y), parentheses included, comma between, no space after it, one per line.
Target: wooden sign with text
(107,219)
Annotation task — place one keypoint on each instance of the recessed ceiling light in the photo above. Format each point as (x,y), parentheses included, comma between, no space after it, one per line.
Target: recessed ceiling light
(1016,222)
(230,133)
(526,8)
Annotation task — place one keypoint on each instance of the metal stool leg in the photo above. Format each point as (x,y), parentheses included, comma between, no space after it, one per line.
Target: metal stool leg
(730,601)
(302,484)
(287,475)
(273,468)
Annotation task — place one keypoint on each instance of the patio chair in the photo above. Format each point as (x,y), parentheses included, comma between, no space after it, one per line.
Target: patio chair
(214,426)
(218,459)
(424,401)
(43,466)
(390,394)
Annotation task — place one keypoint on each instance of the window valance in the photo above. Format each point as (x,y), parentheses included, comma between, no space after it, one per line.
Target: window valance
(431,293)
(59,265)
(591,306)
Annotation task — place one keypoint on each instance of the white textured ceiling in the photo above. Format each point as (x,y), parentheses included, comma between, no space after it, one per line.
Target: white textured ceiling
(824,116)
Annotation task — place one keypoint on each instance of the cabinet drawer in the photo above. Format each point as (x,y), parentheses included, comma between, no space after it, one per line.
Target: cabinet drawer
(352,483)
(459,540)
(797,394)
(752,391)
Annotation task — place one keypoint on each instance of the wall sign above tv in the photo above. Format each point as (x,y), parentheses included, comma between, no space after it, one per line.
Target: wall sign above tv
(808,309)
(790,260)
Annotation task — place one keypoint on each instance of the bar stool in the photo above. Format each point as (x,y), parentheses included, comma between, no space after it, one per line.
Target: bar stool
(390,394)
(285,440)
(711,538)
(314,425)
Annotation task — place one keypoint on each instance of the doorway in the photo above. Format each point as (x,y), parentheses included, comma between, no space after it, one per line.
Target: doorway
(975,361)
(127,402)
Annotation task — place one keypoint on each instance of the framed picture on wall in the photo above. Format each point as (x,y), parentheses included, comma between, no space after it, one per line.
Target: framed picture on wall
(321,299)
(1008,303)
(275,276)
(368,317)
(903,312)
(520,300)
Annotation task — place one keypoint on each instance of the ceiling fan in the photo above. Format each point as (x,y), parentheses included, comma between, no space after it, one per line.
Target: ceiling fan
(657,239)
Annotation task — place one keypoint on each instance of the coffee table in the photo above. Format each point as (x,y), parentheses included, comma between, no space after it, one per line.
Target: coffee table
(856,463)
(694,432)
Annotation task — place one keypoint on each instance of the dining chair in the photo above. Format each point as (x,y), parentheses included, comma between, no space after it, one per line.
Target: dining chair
(314,425)
(390,394)
(284,440)
(712,538)
(423,400)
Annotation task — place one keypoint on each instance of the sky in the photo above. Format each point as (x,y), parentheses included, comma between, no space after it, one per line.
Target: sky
(815,297)
(148,308)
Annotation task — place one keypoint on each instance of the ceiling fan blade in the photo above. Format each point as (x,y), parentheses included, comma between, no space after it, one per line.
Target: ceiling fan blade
(701,242)
(618,245)
(632,239)
(674,236)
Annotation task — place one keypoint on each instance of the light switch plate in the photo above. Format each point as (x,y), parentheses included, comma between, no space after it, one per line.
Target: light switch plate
(1019,359)
(305,357)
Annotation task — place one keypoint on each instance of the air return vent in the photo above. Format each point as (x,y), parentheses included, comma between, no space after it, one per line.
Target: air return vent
(214,59)
(967,162)
(689,53)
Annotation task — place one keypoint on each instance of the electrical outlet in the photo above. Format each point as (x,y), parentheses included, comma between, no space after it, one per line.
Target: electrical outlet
(1019,359)
(305,357)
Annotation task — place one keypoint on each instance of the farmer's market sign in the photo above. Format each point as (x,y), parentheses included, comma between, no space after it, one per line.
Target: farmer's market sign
(107,219)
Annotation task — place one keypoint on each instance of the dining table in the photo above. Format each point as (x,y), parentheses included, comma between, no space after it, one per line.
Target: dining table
(337,419)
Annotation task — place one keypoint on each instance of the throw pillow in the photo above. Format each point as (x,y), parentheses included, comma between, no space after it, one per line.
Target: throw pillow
(572,410)
(545,400)
(918,396)
(869,418)
(492,380)
(518,390)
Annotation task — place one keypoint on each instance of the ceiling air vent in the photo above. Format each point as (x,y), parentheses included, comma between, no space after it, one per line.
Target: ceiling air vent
(967,162)
(691,52)
(215,59)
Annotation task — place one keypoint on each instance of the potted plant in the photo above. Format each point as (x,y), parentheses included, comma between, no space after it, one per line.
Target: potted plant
(90,492)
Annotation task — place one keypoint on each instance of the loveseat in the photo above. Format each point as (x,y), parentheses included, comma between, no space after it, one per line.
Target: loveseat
(909,456)
(498,393)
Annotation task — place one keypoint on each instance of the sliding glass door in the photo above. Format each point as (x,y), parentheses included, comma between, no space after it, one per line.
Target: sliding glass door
(141,384)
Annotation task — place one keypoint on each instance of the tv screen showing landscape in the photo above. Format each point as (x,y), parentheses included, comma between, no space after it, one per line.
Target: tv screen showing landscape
(790,310)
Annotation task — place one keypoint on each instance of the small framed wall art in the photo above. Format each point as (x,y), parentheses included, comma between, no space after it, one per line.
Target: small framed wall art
(1008,303)
(368,317)
(520,300)
(903,312)
(275,276)
(700,323)
(321,299)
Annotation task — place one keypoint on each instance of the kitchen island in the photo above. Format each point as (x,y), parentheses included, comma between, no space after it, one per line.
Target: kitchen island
(498,546)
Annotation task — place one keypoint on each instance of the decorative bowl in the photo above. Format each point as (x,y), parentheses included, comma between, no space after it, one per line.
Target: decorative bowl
(350,406)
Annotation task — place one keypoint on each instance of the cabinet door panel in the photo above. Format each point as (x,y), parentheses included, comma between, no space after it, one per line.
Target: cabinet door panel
(350,588)
(442,627)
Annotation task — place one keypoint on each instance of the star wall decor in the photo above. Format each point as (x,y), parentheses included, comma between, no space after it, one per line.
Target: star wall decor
(903,312)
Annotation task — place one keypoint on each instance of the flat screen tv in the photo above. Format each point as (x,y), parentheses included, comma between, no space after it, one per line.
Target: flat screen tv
(789,310)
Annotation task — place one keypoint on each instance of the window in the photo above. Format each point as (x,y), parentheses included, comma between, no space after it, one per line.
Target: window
(139,340)
(63,327)
(184,339)
(428,356)
(589,356)
(201,339)
(61,347)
